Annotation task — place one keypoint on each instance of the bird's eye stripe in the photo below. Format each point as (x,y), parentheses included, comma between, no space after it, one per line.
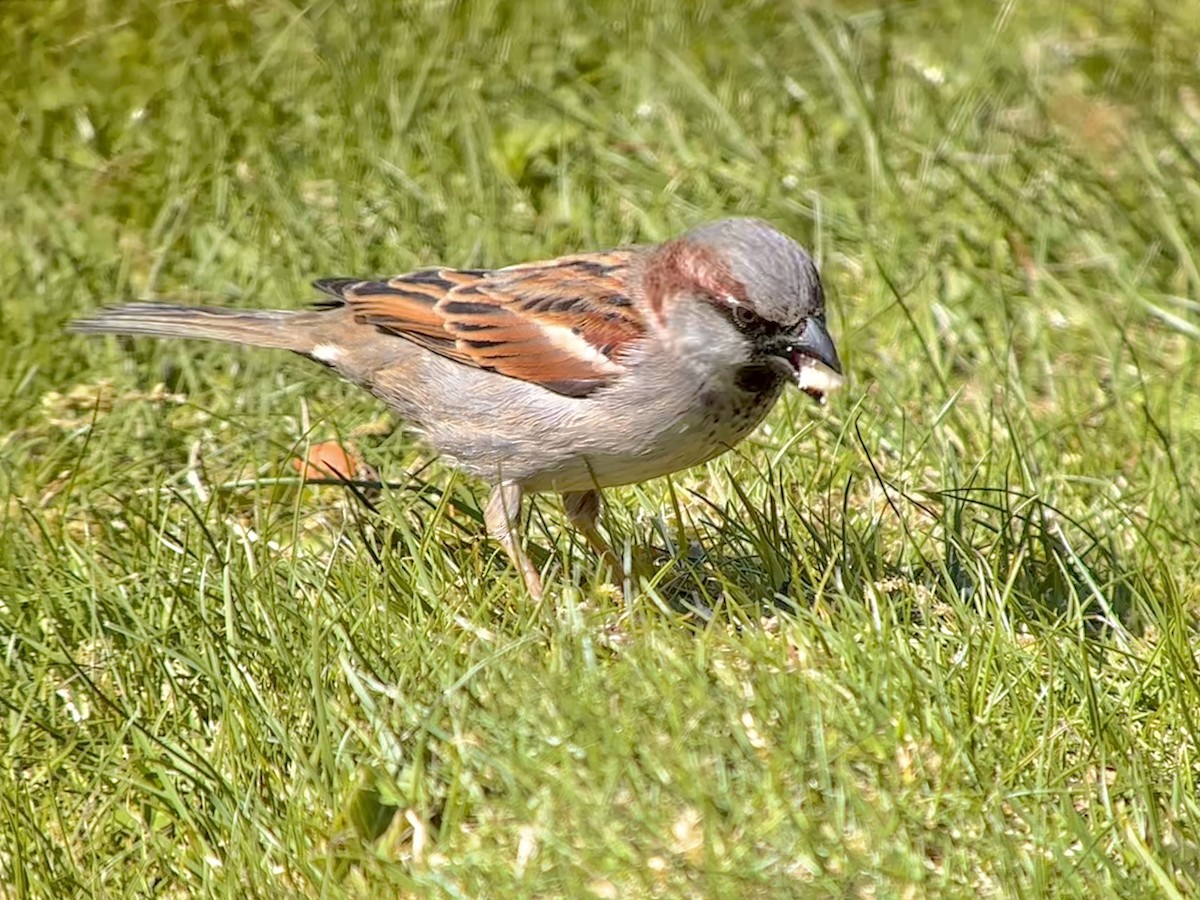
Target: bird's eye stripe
(746,319)
(741,316)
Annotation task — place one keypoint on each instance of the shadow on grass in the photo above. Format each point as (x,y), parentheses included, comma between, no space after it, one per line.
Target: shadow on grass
(1003,550)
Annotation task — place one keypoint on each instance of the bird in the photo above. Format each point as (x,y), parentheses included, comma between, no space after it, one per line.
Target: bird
(568,375)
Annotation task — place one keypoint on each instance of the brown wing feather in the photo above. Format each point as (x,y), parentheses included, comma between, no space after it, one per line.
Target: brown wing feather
(562,324)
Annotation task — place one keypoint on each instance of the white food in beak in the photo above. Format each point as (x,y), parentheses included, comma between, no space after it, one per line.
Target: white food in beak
(816,378)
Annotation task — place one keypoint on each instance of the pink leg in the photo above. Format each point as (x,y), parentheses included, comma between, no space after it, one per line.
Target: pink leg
(502,517)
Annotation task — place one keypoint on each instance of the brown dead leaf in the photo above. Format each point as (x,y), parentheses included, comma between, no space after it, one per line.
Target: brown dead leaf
(330,459)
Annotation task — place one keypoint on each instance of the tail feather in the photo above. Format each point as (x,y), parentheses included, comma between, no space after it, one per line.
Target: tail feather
(282,329)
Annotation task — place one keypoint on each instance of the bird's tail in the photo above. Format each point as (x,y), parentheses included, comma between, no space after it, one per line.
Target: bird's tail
(282,329)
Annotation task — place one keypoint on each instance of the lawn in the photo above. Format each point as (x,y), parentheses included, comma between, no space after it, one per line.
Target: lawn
(937,638)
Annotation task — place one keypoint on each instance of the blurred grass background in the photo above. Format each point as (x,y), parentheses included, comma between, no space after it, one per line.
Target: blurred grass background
(935,639)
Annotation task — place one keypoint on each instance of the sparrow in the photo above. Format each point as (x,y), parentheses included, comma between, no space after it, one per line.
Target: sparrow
(569,375)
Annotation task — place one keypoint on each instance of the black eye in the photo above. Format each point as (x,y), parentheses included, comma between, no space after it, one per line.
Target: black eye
(744,318)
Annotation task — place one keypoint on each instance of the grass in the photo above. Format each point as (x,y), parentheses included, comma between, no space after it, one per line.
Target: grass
(934,640)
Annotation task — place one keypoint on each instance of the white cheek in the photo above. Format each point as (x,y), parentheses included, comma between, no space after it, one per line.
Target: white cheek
(704,340)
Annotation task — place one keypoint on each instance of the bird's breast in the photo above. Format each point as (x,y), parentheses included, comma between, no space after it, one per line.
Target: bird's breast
(635,441)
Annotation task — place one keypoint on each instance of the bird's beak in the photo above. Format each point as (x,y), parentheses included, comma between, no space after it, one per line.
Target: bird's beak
(813,359)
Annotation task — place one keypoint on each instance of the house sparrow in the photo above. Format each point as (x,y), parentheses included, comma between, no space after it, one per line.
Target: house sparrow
(568,375)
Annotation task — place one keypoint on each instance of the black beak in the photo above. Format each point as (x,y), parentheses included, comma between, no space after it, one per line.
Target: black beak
(812,341)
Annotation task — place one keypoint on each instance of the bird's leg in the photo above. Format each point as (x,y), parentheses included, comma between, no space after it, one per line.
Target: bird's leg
(502,517)
(583,509)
